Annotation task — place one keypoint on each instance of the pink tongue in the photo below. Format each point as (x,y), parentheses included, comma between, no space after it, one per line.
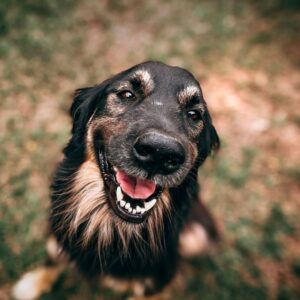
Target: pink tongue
(135,187)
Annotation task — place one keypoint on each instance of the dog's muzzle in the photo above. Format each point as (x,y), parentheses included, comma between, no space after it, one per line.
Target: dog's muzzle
(132,197)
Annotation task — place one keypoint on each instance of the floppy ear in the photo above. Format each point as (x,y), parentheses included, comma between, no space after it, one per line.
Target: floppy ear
(83,107)
(209,140)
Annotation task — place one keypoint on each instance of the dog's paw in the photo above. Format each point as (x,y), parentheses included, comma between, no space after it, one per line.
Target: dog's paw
(35,283)
(194,240)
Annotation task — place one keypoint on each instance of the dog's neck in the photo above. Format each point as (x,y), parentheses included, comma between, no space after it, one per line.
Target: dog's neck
(84,223)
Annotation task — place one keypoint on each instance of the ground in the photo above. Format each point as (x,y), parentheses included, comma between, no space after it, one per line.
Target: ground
(246,56)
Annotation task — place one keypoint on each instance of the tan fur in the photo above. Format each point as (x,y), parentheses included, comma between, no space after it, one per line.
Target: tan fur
(89,142)
(115,284)
(194,151)
(88,203)
(145,79)
(193,240)
(55,251)
(137,287)
(186,94)
(35,283)
(107,125)
(147,85)
(114,107)
(87,194)
(40,280)
(194,132)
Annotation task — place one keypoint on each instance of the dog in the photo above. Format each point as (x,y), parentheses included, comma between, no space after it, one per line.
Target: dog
(125,199)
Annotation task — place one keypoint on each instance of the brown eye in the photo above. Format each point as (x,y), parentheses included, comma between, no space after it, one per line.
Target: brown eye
(194,115)
(126,95)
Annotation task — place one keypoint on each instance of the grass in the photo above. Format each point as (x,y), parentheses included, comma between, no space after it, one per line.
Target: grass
(246,56)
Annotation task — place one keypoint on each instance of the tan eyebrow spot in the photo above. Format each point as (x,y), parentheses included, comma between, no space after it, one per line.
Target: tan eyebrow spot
(187,93)
(123,85)
(145,79)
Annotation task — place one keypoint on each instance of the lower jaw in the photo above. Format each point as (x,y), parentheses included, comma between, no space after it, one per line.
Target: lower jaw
(133,210)
(128,217)
(112,186)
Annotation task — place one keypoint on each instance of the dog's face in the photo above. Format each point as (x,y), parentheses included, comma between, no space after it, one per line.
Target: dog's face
(147,129)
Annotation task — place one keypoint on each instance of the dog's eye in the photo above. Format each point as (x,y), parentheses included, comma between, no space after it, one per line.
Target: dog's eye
(194,115)
(126,95)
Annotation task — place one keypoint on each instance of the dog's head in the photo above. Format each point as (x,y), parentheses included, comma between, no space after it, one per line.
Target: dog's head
(147,129)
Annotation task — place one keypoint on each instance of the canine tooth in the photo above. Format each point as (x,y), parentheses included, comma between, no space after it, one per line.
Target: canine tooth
(150,204)
(143,210)
(134,211)
(122,203)
(127,205)
(119,194)
(138,209)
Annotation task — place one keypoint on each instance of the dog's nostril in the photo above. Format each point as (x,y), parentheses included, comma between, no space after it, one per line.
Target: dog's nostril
(144,150)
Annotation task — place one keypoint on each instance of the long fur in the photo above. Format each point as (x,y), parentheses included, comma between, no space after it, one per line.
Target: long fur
(81,219)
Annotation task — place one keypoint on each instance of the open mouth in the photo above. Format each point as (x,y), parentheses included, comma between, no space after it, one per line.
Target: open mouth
(131,198)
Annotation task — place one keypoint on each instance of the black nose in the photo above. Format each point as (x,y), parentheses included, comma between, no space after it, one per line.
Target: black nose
(158,153)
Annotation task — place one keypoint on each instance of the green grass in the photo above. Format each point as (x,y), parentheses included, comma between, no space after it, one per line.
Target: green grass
(50,48)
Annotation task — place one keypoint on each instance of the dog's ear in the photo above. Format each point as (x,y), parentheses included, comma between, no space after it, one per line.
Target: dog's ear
(83,107)
(209,140)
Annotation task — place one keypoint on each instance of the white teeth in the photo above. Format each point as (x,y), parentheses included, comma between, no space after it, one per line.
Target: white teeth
(149,205)
(115,169)
(127,206)
(119,194)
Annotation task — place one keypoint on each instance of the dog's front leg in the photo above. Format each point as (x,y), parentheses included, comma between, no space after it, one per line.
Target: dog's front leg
(40,280)
(200,231)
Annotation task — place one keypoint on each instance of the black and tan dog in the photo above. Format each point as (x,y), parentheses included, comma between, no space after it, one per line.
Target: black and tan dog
(125,199)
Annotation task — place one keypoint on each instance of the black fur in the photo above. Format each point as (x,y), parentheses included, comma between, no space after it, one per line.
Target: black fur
(141,261)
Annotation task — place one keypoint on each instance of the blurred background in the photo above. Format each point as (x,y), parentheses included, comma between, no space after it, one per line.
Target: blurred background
(246,55)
